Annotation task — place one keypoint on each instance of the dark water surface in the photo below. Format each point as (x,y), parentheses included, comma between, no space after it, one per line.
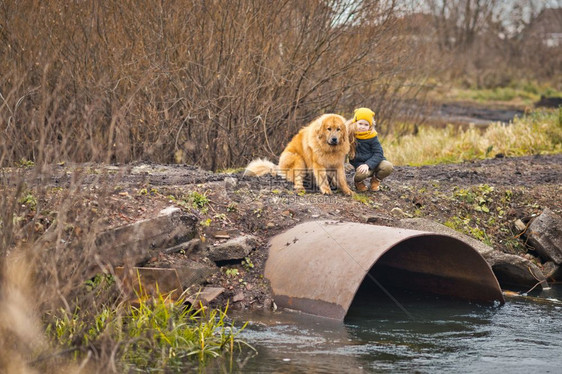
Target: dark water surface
(522,336)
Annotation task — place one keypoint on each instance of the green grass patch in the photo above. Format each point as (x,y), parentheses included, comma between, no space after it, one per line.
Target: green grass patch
(199,200)
(29,200)
(466,226)
(157,334)
(520,93)
(362,198)
(479,197)
(194,199)
(231,170)
(506,94)
(24,163)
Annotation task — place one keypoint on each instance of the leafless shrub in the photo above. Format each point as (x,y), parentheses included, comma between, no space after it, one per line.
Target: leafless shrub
(196,82)
(491,43)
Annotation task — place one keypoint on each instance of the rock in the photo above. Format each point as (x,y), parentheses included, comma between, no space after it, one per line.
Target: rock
(510,270)
(515,271)
(142,282)
(397,212)
(238,297)
(132,244)
(520,226)
(234,249)
(230,183)
(205,296)
(268,303)
(221,235)
(193,273)
(552,271)
(379,219)
(545,235)
(193,245)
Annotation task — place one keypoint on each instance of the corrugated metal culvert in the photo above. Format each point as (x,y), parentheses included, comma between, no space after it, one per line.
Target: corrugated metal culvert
(317,267)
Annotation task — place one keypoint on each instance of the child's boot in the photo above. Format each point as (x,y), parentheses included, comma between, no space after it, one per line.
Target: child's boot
(375,184)
(360,186)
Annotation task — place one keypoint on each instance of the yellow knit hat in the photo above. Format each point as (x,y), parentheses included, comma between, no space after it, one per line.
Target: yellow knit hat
(364,113)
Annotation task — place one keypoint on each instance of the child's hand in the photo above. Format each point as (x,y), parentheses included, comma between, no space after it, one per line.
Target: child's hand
(363,169)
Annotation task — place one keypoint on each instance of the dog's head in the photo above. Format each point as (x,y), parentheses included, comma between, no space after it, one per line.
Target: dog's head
(332,130)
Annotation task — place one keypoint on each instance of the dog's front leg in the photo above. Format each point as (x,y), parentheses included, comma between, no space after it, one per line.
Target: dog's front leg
(321,179)
(298,178)
(342,182)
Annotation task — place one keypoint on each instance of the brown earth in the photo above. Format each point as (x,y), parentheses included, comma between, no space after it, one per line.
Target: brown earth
(466,113)
(480,198)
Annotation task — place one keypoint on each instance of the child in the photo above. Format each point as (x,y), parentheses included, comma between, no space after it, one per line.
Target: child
(366,153)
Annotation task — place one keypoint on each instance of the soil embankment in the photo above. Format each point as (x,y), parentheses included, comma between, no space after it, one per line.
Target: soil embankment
(482,199)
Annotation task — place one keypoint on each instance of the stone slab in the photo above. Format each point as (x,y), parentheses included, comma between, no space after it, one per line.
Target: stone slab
(545,235)
(150,282)
(205,296)
(132,244)
(233,249)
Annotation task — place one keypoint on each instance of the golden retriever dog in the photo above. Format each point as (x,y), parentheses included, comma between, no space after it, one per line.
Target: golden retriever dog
(319,147)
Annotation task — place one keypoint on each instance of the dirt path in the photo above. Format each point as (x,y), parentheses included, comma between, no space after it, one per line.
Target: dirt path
(518,186)
(466,113)
(514,171)
(527,171)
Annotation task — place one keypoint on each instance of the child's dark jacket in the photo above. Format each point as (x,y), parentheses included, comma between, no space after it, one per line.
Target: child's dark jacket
(368,151)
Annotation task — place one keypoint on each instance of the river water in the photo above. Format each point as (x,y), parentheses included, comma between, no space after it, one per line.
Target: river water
(422,335)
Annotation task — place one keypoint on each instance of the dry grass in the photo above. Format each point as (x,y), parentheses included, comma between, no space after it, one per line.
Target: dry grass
(47,245)
(535,133)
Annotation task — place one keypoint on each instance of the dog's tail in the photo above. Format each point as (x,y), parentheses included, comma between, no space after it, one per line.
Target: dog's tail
(260,167)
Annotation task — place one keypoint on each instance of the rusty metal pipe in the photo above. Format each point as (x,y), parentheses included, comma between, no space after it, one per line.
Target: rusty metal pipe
(317,267)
